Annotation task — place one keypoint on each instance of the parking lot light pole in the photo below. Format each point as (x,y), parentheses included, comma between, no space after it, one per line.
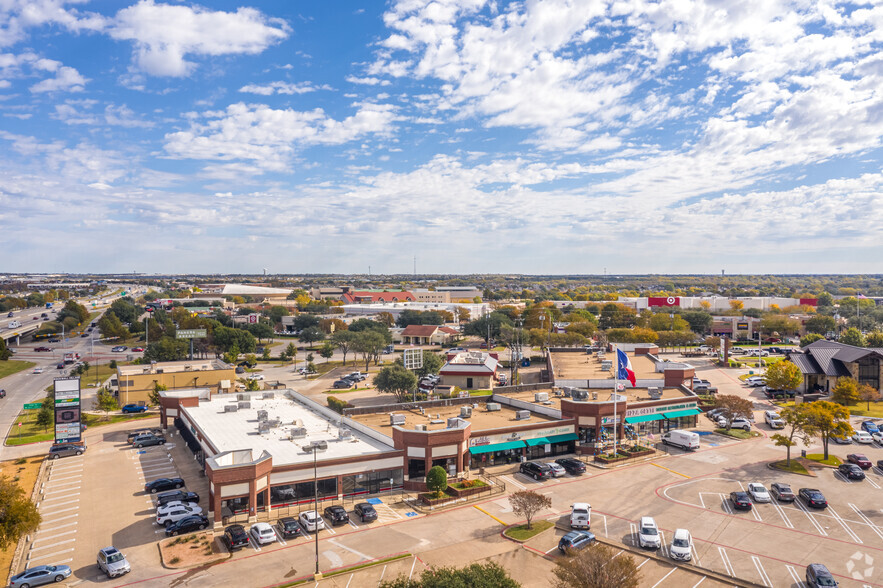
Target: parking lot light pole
(315,447)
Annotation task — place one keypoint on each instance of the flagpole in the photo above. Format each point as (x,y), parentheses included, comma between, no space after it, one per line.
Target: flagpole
(615,396)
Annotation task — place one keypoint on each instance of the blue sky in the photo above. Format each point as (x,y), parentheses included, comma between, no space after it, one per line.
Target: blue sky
(532,137)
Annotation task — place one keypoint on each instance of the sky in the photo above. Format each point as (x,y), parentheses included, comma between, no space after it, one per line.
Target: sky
(541,137)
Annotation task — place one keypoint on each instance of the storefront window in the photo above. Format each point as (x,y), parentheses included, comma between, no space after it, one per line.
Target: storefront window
(587,434)
(302,492)
(236,505)
(371,482)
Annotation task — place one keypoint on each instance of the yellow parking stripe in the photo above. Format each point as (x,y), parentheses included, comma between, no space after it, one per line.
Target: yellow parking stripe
(489,514)
(668,470)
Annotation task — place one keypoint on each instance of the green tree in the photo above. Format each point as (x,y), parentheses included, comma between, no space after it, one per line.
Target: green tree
(493,322)
(5,353)
(784,375)
(261,331)
(437,481)
(369,344)
(290,352)
(432,362)
(276,313)
(874,339)
(45,417)
(167,349)
(661,321)
(820,324)
(326,351)
(699,321)
(106,402)
(19,514)
(153,396)
(615,315)
(396,380)
(597,567)
(845,392)
(477,575)
(343,340)
(800,427)
(252,385)
(74,310)
(265,355)
(232,356)
(829,420)
(225,338)
(810,338)
(125,310)
(311,335)
(527,503)
(852,336)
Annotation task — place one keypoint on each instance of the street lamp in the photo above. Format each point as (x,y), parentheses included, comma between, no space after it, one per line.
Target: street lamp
(315,447)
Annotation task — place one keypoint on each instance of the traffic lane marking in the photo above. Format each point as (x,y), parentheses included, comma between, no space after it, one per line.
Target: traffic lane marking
(489,514)
(670,470)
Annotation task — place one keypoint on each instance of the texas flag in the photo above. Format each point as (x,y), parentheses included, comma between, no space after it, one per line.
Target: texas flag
(625,367)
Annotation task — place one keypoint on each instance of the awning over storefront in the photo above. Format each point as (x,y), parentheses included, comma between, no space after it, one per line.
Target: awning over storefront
(563,438)
(644,418)
(681,413)
(537,441)
(496,447)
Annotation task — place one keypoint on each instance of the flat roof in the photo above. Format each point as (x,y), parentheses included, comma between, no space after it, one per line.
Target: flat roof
(436,418)
(633,395)
(235,431)
(576,365)
(174,367)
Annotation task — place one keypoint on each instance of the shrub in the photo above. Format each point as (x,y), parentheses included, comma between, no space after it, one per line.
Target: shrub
(437,480)
(175,560)
(337,405)
(21,460)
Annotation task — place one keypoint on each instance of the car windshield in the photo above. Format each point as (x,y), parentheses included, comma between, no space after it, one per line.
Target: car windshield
(115,557)
(648,531)
(289,525)
(681,543)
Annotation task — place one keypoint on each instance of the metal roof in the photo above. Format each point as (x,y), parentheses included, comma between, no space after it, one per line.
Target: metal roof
(805,362)
(830,366)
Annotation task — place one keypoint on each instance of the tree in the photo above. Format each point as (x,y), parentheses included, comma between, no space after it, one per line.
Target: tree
(76,311)
(125,309)
(713,342)
(699,320)
(779,323)
(5,353)
(432,362)
(437,481)
(675,338)
(20,516)
(736,305)
(110,326)
(810,338)
(266,353)
(784,375)
(232,356)
(153,396)
(868,394)
(615,315)
(106,402)
(820,324)
(829,420)
(290,352)
(733,407)
(490,324)
(167,349)
(584,328)
(845,392)
(45,417)
(462,313)
(343,340)
(311,335)
(852,336)
(260,330)
(477,575)
(395,379)
(276,313)
(369,344)
(596,567)
(226,338)
(527,503)
(661,321)
(874,339)
(326,351)
(252,385)
(797,418)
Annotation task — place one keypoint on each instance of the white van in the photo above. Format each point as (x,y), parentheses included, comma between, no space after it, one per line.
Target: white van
(682,439)
(14,325)
(681,545)
(580,515)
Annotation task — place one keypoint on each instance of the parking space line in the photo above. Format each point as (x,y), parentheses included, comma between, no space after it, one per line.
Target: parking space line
(759,567)
(662,546)
(633,534)
(699,582)
(62,491)
(47,558)
(67,495)
(841,477)
(52,545)
(165,466)
(63,503)
(727,565)
(755,513)
(642,563)
(843,524)
(868,521)
(513,482)
(42,530)
(56,535)
(811,518)
(782,514)
(673,570)
(350,549)
(554,548)
(701,501)
(795,577)
(726,504)
(58,511)
(53,480)
(279,536)
(695,551)
(872,482)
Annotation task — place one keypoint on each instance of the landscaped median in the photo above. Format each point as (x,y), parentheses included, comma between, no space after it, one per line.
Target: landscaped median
(192,550)
(521,533)
(348,569)
(31,432)
(13,366)
(832,461)
(737,433)
(795,467)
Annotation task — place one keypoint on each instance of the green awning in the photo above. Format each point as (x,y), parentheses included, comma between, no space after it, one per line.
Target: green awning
(496,447)
(682,413)
(537,441)
(563,438)
(644,418)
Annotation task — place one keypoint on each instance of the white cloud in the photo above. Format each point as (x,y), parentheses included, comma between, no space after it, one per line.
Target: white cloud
(164,34)
(66,79)
(368,81)
(283,88)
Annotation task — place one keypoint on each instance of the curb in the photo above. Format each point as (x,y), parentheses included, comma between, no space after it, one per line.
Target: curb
(808,473)
(224,554)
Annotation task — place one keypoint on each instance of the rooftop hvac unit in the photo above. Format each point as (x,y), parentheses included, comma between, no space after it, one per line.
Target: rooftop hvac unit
(188,368)
(243,397)
(540,396)
(263,427)
(465,412)
(396,419)
(344,434)
(298,433)
(262,415)
(231,408)
(420,427)
(268,395)
(594,396)
(455,423)
(275,422)
(578,394)
(567,391)
(522,415)
(319,446)
(244,404)
(493,406)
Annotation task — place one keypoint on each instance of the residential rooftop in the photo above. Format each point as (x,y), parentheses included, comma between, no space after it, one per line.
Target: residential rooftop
(437,418)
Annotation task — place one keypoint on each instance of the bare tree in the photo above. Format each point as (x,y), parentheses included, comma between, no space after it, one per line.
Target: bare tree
(597,567)
(527,503)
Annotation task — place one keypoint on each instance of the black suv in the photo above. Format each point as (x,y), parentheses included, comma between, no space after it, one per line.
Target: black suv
(818,575)
(163,484)
(337,515)
(536,470)
(288,527)
(365,511)
(148,439)
(187,524)
(65,450)
(571,465)
(235,537)
(177,496)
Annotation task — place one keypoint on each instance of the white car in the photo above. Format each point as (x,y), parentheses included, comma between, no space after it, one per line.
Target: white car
(557,470)
(311,521)
(38,370)
(255,377)
(174,512)
(681,548)
(755,381)
(739,423)
(758,492)
(878,437)
(263,533)
(863,437)
(648,533)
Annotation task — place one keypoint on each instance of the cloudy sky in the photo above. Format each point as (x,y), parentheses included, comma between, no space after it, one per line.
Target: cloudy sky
(544,136)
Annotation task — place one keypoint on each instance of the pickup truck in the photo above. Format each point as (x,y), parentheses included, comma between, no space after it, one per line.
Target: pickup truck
(703,387)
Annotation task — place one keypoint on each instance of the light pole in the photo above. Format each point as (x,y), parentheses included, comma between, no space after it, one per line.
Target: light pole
(315,447)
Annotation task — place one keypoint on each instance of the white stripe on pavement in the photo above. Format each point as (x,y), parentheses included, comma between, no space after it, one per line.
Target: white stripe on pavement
(868,521)
(42,530)
(699,582)
(52,545)
(759,567)
(811,518)
(673,570)
(642,563)
(62,491)
(727,565)
(45,500)
(846,527)
(63,503)
(795,577)
(58,511)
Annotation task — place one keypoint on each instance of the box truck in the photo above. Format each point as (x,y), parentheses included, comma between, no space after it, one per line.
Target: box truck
(682,439)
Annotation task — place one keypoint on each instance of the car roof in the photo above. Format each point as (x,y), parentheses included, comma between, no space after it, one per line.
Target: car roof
(648,522)
(364,504)
(235,528)
(110,550)
(819,568)
(681,533)
(261,526)
(582,505)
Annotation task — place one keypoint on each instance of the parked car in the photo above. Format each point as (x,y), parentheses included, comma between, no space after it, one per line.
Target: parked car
(66,450)
(342,384)
(55,340)
(572,466)
(263,533)
(738,423)
(177,496)
(235,537)
(740,500)
(187,525)
(134,408)
(239,369)
(758,492)
(813,497)
(841,440)
(755,381)
(163,484)
(870,427)
(39,575)
(817,575)
(247,364)
(288,527)
(681,548)
(782,492)
(356,376)
(877,437)
(773,419)
(112,562)
(148,439)
(557,470)
(337,515)
(648,533)
(850,471)
(311,521)
(536,470)
(365,512)
(580,515)
(863,437)
(37,370)
(3,390)
(175,511)
(859,459)
(258,377)
(138,432)
(575,540)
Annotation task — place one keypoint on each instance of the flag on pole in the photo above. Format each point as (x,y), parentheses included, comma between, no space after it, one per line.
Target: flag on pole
(625,367)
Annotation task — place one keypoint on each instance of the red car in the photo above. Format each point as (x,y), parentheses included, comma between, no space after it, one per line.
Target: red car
(137,349)
(860,460)
(42,349)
